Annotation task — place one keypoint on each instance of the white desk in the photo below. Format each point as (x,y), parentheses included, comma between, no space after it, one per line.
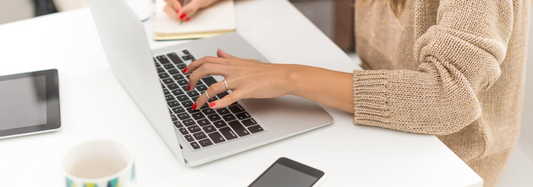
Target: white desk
(94,104)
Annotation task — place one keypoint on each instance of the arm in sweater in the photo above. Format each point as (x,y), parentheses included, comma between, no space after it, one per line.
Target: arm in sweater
(457,58)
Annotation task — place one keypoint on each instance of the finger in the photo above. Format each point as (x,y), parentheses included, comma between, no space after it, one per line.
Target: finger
(227,100)
(223,54)
(205,60)
(205,70)
(189,9)
(175,4)
(171,12)
(212,91)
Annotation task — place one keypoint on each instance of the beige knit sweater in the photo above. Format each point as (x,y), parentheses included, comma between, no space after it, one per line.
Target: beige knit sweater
(452,68)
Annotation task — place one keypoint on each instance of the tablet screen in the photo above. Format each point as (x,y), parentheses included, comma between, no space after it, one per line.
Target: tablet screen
(29,103)
(23,102)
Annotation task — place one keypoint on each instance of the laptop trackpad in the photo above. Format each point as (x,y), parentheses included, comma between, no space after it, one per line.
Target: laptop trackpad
(287,113)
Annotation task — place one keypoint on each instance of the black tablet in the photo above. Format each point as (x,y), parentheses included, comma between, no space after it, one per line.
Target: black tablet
(29,103)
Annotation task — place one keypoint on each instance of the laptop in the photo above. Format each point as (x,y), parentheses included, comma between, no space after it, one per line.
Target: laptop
(155,81)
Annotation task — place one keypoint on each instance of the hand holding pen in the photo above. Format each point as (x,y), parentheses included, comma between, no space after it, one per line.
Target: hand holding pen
(182,10)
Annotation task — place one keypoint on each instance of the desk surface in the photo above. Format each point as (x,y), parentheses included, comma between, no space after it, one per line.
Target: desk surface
(95,105)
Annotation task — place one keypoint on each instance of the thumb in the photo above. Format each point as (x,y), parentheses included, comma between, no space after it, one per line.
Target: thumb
(223,54)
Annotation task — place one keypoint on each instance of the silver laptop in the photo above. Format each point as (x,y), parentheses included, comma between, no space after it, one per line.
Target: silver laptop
(155,81)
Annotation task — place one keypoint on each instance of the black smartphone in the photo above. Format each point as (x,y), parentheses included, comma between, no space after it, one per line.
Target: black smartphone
(286,172)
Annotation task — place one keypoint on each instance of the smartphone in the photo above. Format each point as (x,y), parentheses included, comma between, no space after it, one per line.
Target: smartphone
(286,172)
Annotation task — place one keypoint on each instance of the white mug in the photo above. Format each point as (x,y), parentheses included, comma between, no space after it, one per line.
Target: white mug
(99,163)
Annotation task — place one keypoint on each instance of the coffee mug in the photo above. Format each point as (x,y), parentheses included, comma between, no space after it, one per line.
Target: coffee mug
(99,163)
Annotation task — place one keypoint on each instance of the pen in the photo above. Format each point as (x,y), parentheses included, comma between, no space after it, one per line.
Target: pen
(184,3)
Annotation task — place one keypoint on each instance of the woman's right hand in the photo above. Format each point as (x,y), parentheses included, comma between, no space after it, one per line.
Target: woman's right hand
(177,11)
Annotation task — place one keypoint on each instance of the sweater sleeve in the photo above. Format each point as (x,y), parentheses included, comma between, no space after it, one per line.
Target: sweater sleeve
(456,59)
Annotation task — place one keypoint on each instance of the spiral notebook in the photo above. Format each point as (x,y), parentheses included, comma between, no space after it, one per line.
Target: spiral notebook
(216,19)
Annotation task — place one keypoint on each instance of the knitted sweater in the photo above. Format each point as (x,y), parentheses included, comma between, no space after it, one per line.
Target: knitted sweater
(452,68)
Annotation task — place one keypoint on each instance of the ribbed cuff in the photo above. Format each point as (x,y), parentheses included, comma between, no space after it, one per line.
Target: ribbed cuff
(370,95)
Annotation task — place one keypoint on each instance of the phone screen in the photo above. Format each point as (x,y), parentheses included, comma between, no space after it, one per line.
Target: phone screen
(281,175)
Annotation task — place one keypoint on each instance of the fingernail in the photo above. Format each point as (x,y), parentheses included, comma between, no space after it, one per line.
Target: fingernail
(188,87)
(187,19)
(212,104)
(182,15)
(184,70)
(194,106)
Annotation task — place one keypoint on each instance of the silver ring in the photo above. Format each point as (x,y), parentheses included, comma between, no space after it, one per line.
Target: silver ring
(225,83)
(207,95)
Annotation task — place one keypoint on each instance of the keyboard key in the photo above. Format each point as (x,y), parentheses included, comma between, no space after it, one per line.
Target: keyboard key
(236,125)
(198,116)
(203,122)
(163,59)
(220,124)
(192,93)
(177,124)
(183,131)
(163,75)
(209,129)
(159,70)
(185,51)
(173,86)
(236,109)
(168,66)
(214,117)
(195,145)
(173,103)
(187,57)
(255,129)
(199,136)
(178,110)
(169,97)
(209,80)
(188,122)
(249,122)
(174,71)
(223,111)
(243,116)
(191,111)
(205,142)
(173,117)
(194,128)
(228,117)
(184,88)
(208,111)
(166,91)
(216,137)
(177,92)
(182,82)
(189,138)
(228,133)
(187,103)
(222,95)
(182,97)
(168,81)
(178,76)
(183,116)
(181,66)
(214,98)
(174,57)
(201,87)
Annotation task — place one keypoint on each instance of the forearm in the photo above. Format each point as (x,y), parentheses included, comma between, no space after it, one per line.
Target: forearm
(331,88)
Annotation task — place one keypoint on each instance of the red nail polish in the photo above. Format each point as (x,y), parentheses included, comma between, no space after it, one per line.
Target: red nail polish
(187,19)
(194,106)
(182,15)
(188,87)
(212,104)
(184,70)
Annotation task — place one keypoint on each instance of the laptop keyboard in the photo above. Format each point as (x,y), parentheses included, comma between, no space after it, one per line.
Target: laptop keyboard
(205,127)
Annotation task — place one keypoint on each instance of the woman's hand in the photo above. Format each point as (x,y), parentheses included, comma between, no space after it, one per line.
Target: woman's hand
(177,11)
(253,79)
